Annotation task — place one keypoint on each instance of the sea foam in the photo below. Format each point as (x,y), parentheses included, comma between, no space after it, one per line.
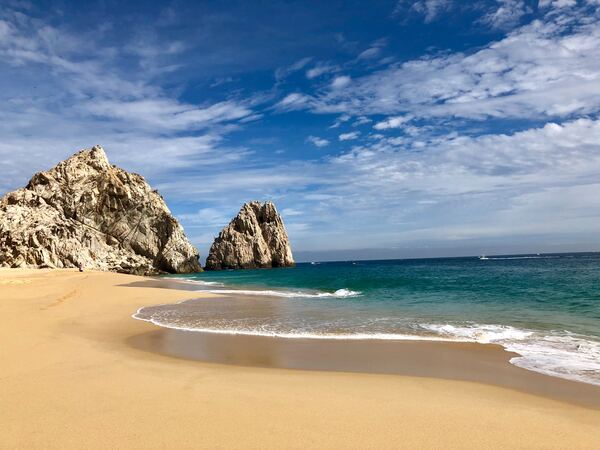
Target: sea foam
(557,353)
(340,293)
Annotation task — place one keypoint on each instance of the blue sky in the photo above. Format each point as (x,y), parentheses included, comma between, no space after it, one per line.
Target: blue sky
(380,129)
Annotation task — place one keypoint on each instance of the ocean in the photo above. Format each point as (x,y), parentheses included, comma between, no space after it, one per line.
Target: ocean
(544,307)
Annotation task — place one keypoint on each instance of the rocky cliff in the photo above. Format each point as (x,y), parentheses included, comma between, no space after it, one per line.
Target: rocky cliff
(87,213)
(255,238)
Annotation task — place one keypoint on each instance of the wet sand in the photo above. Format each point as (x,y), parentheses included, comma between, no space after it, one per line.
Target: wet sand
(481,363)
(70,378)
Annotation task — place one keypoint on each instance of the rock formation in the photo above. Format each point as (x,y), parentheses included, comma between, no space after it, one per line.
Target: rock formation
(255,238)
(87,213)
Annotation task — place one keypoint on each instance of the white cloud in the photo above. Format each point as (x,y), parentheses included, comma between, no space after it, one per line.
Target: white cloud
(430,10)
(165,113)
(317,141)
(340,120)
(557,3)
(370,53)
(289,212)
(551,155)
(219,81)
(284,72)
(538,182)
(424,183)
(392,122)
(238,184)
(82,96)
(5,30)
(507,14)
(349,136)
(320,69)
(472,187)
(361,120)
(293,100)
(549,68)
(340,82)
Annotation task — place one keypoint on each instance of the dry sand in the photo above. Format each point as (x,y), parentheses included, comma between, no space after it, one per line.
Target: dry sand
(69,378)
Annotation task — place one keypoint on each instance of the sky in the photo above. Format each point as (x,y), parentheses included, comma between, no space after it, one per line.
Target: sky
(381,129)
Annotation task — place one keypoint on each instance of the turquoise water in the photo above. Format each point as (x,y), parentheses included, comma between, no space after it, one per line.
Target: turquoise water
(544,307)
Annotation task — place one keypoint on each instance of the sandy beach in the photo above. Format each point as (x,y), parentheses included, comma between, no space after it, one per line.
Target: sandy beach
(71,377)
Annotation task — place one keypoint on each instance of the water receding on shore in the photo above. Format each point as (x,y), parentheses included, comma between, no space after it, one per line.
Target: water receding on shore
(546,310)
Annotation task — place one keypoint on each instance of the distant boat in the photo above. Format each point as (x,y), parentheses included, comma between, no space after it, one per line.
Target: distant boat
(314,263)
(483,257)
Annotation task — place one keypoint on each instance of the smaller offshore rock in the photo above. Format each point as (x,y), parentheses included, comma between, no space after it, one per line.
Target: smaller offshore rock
(255,238)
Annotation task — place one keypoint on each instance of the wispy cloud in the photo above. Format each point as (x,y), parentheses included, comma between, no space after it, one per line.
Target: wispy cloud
(340,82)
(349,136)
(371,52)
(361,120)
(206,217)
(558,3)
(82,96)
(438,155)
(542,164)
(283,72)
(430,10)
(507,15)
(320,69)
(165,113)
(317,141)
(294,100)
(542,70)
(391,122)
(509,184)
(340,120)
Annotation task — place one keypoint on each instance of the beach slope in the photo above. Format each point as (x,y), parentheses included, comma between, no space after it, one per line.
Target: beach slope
(70,379)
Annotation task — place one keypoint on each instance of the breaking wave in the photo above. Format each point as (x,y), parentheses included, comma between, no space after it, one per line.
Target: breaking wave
(340,293)
(558,353)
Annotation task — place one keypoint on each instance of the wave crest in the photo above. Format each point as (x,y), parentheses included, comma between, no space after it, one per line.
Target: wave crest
(340,293)
(561,354)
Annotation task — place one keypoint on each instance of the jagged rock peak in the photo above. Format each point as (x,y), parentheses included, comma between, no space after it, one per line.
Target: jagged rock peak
(87,213)
(255,238)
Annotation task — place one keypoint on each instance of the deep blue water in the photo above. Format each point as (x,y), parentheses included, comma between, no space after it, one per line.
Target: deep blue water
(544,307)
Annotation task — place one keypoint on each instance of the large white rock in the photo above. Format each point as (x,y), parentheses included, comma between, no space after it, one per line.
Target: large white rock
(87,213)
(255,238)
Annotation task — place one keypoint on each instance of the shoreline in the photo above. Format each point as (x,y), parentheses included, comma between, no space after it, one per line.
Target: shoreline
(269,309)
(463,361)
(69,375)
